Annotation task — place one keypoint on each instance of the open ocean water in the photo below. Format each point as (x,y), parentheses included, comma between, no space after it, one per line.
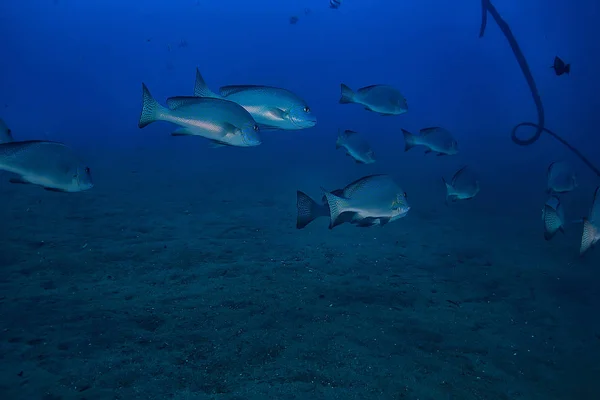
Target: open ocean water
(181,274)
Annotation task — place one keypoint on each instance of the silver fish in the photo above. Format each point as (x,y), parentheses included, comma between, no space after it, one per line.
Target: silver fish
(464,185)
(271,107)
(5,133)
(52,165)
(356,147)
(435,139)
(382,99)
(221,121)
(591,225)
(561,178)
(372,198)
(553,216)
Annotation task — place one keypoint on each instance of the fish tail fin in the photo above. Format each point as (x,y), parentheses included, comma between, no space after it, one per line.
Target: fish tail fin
(552,222)
(201,88)
(567,68)
(449,191)
(340,139)
(308,210)
(337,206)
(151,110)
(409,140)
(347,94)
(589,237)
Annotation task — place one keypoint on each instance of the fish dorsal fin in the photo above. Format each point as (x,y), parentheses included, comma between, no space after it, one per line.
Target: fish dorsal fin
(201,88)
(356,186)
(426,131)
(348,132)
(181,101)
(232,89)
(457,175)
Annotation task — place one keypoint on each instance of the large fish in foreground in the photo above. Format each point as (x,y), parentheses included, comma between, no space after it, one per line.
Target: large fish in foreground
(435,139)
(221,121)
(309,210)
(356,147)
(271,107)
(553,216)
(51,165)
(382,99)
(5,133)
(591,225)
(374,199)
(560,177)
(464,185)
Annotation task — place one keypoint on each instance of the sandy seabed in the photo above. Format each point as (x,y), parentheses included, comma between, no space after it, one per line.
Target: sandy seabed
(155,288)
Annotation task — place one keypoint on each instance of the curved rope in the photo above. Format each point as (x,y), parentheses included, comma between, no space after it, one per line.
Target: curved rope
(487,6)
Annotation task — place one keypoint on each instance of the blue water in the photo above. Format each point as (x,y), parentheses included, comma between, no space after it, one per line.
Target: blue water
(181,274)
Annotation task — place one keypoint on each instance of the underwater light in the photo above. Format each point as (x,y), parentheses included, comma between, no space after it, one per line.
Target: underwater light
(487,6)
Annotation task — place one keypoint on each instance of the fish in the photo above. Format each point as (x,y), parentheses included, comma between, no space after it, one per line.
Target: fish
(560,178)
(293,20)
(373,199)
(591,225)
(308,210)
(436,139)
(464,185)
(272,108)
(356,147)
(382,99)
(221,121)
(553,216)
(560,67)
(51,165)
(335,4)
(5,133)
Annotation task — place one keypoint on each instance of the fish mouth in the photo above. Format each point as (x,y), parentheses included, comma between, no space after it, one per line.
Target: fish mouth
(304,123)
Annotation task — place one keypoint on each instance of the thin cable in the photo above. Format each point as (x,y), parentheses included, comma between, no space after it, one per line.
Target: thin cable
(487,6)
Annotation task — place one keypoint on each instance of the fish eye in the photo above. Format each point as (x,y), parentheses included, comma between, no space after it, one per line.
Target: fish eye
(255,127)
(404,194)
(87,170)
(307,109)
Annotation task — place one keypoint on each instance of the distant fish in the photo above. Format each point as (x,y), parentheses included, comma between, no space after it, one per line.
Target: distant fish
(52,165)
(271,107)
(435,139)
(382,99)
(293,20)
(335,3)
(356,147)
(5,133)
(560,178)
(372,199)
(591,225)
(553,216)
(560,67)
(464,185)
(221,121)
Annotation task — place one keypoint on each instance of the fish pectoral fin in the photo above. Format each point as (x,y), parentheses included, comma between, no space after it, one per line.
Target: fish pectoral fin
(182,132)
(427,151)
(383,221)
(54,190)
(19,181)
(440,154)
(277,113)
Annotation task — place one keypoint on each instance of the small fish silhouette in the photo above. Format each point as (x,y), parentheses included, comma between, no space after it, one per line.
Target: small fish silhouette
(560,67)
